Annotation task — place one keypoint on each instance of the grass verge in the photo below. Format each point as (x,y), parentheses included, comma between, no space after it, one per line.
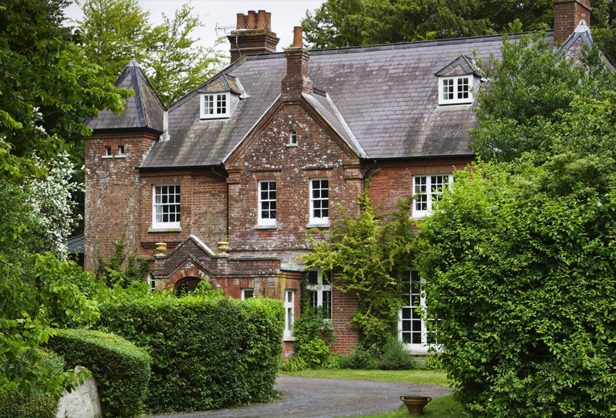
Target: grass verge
(445,407)
(426,377)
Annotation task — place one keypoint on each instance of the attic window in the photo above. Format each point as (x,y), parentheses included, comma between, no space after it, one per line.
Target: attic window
(293,138)
(455,90)
(215,105)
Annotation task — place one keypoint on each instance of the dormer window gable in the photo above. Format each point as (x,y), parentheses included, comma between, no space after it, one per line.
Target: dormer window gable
(458,82)
(219,97)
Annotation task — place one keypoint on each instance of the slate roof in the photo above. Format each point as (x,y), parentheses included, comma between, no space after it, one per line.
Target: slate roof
(382,100)
(143,110)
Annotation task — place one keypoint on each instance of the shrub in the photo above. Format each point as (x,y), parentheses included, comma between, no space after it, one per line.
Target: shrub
(334,361)
(121,369)
(294,364)
(434,362)
(17,404)
(395,357)
(361,358)
(315,352)
(207,352)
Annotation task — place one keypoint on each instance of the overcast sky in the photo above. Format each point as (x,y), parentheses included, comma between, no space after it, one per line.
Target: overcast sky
(285,15)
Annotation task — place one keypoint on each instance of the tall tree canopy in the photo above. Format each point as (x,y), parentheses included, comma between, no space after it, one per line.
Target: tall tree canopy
(342,23)
(115,30)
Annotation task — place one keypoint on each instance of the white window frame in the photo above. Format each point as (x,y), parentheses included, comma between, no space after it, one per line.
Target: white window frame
(292,138)
(107,151)
(151,282)
(426,199)
(165,225)
(456,87)
(121,150)
(410,323)
(289,312)
(320,294)
(261,220)
(250,291)
(323,220)
(217,100)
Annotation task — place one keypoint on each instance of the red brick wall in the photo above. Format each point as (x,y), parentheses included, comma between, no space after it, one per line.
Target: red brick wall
(265,156)
(344,306)
(395,179)
(112,193)
(567,15)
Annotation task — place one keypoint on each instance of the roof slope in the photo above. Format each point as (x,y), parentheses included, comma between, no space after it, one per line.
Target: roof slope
(384,102)
(143,110)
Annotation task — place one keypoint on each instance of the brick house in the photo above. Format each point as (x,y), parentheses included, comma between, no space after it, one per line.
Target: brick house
(261,151)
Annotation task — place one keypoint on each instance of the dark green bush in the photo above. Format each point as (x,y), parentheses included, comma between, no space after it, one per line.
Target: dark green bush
(16,404)
(361,358)
(395,357)
(207,352)
(121,369)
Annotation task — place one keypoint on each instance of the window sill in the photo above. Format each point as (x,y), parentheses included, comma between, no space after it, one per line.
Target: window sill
(290,145)
(266,227)
(120,156)
(289,339)
(106,157)
(312,225)
(164,229)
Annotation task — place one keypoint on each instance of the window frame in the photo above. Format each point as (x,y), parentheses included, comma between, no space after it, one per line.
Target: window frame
(289,312)
(456,91)
(215,102)
(260,219)
(318,292)
(420,213)
(245,290)
(423,346)
(321,220)
(166,225)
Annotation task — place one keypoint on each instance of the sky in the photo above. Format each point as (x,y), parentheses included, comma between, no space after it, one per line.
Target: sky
(285,15)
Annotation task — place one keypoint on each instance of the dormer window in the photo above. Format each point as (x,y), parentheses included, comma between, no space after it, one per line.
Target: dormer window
(456,90)
(215,106)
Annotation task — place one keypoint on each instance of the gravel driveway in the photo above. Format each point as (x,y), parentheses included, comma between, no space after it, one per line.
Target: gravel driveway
(308,397)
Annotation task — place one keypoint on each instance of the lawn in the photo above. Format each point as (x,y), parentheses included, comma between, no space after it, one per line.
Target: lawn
(426,377)
(445,407)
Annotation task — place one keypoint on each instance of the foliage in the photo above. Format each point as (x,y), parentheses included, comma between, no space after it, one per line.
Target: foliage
(122,269)
(343,23)
(395,357)
(433,362)
(122,370)
(115,30)
(368,255)
(313,334)
(214,351)
(520,268)
(294,364)
(361,358)
(530,86)
(16,404)
(603,25)
(31,303)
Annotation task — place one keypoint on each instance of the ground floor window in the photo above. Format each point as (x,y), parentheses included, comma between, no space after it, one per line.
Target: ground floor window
(412,329)
(289,312)
(248,293)
(319,288)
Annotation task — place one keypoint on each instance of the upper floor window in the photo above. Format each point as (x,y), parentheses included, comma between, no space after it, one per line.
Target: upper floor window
(455,90)
(319,201)
(427,190)
(215,106)
(319,286)
(293,138)
(108,151)
(120,149)
(267,202)
(166,206)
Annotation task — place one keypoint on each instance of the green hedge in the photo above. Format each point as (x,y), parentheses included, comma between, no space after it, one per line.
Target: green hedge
(206,352)
(16,404)
(121,369)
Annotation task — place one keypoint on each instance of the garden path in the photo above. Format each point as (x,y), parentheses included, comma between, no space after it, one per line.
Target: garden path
(306,397)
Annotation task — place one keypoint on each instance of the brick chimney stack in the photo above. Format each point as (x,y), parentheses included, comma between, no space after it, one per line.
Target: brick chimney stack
(296,81)
(567,16)
(252,35)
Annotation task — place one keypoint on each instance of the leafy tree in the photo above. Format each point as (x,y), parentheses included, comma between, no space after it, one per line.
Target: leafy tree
(530,85)
(520,263)
(342,23)
(603,24)
(368,255)
(115,30)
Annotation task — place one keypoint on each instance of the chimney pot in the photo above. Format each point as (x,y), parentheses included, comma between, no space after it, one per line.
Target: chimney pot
(297,37)
(241,21)
(268,21)
(261,20)
(251,20)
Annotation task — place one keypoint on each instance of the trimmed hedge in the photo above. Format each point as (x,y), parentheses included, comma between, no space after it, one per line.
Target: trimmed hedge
(16,404)
(121,369)
(206,352)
